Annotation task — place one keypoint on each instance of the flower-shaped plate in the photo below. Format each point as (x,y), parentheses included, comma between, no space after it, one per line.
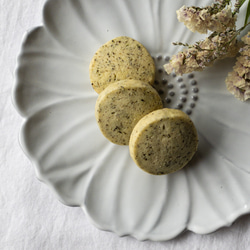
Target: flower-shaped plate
(61,137)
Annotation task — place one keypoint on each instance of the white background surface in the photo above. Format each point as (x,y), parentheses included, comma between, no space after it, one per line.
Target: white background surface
(30,215)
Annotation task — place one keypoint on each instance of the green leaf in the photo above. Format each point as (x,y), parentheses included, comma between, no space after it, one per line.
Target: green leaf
(248,12)
(241,2)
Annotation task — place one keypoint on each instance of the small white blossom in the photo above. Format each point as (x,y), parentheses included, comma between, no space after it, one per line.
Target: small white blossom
(246,39)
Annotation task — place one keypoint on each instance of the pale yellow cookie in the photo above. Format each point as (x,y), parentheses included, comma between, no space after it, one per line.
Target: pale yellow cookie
(121,105)
(163,141)
(119,59)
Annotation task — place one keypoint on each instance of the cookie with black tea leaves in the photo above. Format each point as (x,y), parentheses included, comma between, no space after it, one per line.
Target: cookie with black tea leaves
(121,105)
(163,141)
(119,59)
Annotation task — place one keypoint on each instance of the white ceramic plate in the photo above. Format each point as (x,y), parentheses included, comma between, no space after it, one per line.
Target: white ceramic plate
(61,137)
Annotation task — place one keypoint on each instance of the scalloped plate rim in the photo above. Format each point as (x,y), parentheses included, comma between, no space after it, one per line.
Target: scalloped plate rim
(230,219)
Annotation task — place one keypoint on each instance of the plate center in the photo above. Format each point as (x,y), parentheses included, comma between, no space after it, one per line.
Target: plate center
(178,92)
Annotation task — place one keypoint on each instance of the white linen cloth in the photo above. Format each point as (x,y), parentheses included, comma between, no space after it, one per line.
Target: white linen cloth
(30,216)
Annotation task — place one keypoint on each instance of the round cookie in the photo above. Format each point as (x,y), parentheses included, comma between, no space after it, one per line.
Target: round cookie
(119,59)
(163,141)
(121,105)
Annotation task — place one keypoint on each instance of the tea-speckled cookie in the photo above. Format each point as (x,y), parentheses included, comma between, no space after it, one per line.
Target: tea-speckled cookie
(163,141)
(119,59)
(121,105)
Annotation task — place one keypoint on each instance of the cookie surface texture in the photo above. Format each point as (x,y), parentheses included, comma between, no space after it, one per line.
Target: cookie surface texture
(121,105)
(163,141)
(119,59)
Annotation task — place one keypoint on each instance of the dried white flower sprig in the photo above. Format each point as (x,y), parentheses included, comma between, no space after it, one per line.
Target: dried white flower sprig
(204,53)
(216,17)
(220,19)
(238,81)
